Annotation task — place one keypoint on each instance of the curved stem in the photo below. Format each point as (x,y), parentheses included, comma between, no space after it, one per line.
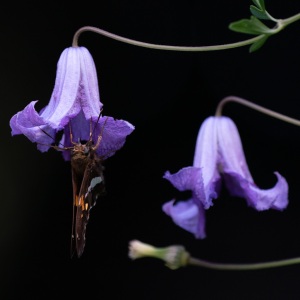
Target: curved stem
(271,17)
(290,20)
(255,107)
(163,47)
(280,25)
(240,267)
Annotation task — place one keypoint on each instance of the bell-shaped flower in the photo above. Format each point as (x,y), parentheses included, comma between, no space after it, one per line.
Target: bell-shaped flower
(219,156)
(74,105)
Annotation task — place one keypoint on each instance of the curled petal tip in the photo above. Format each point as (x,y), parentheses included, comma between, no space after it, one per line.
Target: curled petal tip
(187,215)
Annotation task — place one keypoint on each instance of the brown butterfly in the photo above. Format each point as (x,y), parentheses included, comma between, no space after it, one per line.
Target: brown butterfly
(88,185)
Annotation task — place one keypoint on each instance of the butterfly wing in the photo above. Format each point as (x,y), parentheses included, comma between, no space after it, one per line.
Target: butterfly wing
(92,186)
(76,183)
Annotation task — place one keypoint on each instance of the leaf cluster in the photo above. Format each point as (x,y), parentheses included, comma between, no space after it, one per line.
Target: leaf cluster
(254,26)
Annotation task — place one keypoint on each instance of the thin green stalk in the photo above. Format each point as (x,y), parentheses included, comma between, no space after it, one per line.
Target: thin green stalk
(290,20)
(240,267)
(281,23)
(162,47)
(176,256)
(257,107)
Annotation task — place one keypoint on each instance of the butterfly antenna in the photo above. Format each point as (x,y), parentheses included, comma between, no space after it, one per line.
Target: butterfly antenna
(71,134)
(91,125)
(55,146)
(100,135)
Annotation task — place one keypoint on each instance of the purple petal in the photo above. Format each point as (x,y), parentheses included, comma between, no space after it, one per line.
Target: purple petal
(113,133)
(191,178)
(76,88)
(186,179)
(237,175)
(206,151)
(33,126)
(232,157)
(89,100)
(260,199)
(80,128)
(187,215)
(206,158)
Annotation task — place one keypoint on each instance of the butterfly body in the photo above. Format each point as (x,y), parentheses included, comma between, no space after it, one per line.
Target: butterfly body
(88,185)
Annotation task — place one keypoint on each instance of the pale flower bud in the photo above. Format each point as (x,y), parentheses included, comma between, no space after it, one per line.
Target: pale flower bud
(175,256)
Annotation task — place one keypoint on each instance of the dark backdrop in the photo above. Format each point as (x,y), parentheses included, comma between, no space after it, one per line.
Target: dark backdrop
(166,95)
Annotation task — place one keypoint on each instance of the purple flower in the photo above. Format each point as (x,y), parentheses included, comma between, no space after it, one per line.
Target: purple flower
(74,104)
(219,156)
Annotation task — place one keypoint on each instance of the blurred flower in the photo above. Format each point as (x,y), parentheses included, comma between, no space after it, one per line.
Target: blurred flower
(174,256)
(74,104)
(219,155)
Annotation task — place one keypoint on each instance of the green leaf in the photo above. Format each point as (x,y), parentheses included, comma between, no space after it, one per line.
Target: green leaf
(260,14)
(250,26)
(260,4)
(255,46)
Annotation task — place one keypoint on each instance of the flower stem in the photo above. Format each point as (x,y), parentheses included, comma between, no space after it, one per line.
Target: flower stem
(280,25)
(240,267)
(291,19)
(163,47)
(176,256)
(255,107)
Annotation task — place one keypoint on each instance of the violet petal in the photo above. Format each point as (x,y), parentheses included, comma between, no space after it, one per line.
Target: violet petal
(76,88)
(237,176)
(113,132)
(232,157)
(191,178)
(260,199)
(32,125)
(206,158)
(187,215)
(188,178)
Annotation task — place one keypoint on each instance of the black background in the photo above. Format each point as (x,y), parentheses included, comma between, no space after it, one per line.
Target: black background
(166,95)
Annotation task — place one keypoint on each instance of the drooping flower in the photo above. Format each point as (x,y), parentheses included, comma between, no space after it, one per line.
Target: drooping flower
(74,105)
(219,156)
